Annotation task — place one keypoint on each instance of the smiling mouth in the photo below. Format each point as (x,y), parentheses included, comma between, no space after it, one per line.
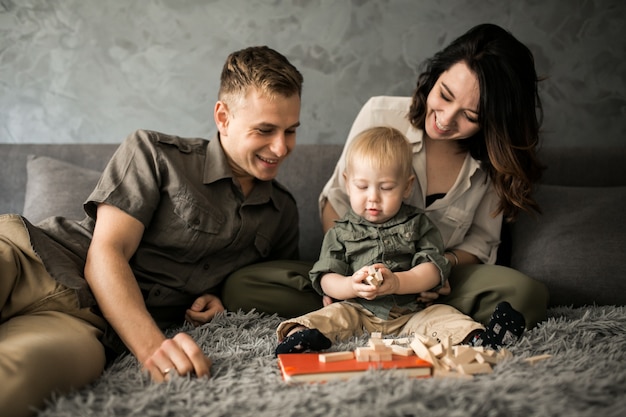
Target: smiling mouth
(440,126)
(267,160)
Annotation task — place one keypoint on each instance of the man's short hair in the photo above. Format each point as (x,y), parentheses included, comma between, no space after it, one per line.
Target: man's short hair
(262,68)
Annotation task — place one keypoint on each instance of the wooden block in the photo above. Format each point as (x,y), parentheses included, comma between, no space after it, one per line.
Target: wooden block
(378,345)
(362,354)
(447,345)
(437,350)
(460,349)
(374,277)
(426,340)
(448,362)
(465,356)
(475,368)
(335,356)
(442,373)
(481,357)
(534,359)
(421,350)
(402,350)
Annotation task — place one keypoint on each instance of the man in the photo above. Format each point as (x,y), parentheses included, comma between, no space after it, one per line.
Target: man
(169,219)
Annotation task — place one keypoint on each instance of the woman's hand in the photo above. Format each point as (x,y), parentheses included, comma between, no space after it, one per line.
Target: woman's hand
(204,309)
(429,297)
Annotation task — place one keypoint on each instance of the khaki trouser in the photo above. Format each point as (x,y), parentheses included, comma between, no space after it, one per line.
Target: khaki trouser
(340,321)
(284,288)
(47,343)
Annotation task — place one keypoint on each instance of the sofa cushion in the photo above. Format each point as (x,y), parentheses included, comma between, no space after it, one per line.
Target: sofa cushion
(576,247)
(56,188)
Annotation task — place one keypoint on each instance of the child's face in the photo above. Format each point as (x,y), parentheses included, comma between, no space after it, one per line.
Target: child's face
(376,194)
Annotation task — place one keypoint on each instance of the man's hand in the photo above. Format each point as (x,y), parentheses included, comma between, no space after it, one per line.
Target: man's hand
(180,355)
(204,309)
(429,297)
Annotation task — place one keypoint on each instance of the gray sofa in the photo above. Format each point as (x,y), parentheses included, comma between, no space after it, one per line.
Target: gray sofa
(577,246)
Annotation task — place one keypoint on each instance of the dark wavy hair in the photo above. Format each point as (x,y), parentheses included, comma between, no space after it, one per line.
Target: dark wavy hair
(509,115)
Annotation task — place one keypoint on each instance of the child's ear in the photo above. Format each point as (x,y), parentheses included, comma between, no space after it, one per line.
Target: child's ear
(409,187)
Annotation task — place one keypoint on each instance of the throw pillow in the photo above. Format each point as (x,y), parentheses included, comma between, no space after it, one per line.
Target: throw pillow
(56,188)
(577,246)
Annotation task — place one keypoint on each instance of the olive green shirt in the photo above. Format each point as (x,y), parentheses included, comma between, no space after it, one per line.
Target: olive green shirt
(406,240)
(199,227)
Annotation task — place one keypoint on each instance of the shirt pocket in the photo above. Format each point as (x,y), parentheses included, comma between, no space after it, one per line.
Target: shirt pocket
(192,228)
(263,244)
(360,246)
(456,222)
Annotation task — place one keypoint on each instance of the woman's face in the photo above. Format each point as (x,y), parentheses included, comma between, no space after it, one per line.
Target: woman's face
(452,105)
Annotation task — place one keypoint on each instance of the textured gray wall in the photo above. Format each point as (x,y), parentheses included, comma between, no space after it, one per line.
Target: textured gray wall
(94,70)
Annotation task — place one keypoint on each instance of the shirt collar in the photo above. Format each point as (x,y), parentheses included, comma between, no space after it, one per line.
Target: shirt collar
(416,138)
(406,211)
(216,168)
(216,163)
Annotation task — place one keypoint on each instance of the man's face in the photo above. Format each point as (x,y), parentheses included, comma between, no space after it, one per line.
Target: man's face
(257,134)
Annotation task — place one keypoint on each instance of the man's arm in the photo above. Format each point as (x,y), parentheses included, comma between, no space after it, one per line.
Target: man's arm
(115,239)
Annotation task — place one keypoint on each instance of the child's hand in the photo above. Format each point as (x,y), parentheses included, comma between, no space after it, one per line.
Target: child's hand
(390,283)
(360,286)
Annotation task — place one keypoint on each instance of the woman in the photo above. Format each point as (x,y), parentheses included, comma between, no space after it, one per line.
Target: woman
(473,122)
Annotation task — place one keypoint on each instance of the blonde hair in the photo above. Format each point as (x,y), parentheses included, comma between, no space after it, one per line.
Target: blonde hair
(381,147)
(262,68)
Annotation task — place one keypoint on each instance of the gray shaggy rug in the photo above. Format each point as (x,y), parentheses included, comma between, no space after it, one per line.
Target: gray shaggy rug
(586,376)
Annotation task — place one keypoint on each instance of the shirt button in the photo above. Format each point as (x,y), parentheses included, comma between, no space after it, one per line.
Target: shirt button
(206,266)
(157,293)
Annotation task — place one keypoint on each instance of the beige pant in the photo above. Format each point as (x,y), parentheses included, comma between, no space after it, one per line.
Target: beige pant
(47,343)
(342,320)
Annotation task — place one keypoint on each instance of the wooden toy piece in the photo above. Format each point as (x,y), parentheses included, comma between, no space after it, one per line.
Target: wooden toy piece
(426,340)
(482,357)
(366,354)
(402,341)
(336,356)
(465,356)
(422,352)
(475,368)
(447,346)
(437,350)
(378,345)
(442,373)
(534,359)
(375,277)
(362,354)
(402,350)
(376,335)
(448,363)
